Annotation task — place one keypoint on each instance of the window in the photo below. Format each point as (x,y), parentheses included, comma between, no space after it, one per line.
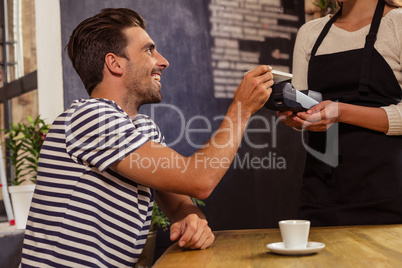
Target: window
(18,96)
(18,76)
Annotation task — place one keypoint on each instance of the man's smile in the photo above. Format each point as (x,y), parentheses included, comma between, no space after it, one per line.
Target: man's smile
(156,76)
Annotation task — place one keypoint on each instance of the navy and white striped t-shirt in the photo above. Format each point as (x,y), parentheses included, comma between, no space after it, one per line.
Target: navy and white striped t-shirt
(83,214)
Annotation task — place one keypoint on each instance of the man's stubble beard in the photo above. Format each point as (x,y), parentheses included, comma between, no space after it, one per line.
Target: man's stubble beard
(133,101)
(138,94)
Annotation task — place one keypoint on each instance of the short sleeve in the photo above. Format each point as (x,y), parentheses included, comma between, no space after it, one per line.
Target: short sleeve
(99,133)
(147,127)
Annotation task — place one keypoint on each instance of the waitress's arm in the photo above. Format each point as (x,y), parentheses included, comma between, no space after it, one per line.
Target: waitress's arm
(367,117)
(324,114)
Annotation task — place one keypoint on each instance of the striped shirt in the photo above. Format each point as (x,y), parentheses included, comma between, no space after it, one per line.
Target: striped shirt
(83,214)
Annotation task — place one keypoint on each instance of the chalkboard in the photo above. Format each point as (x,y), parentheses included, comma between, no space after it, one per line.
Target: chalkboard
(209,46)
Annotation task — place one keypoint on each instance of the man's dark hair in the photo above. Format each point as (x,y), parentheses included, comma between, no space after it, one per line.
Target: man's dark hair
(96,36)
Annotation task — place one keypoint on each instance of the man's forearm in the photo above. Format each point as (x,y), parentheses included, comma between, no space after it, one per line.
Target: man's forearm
(186,209)
(222,146)
(176,207)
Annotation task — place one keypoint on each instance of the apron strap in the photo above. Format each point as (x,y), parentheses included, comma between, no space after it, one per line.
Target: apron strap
(369,48)
(325,31)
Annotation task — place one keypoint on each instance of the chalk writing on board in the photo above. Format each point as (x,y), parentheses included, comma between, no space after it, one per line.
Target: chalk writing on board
(237,24)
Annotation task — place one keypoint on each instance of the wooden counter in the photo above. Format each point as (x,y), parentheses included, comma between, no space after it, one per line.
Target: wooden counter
(353,246)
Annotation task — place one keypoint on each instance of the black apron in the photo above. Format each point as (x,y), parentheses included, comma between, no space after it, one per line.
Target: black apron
(366,186)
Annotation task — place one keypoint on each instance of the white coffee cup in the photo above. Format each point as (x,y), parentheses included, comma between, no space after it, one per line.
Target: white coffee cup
(294,233)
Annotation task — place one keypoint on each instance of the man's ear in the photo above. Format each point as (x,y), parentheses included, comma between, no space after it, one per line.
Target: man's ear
(114,63)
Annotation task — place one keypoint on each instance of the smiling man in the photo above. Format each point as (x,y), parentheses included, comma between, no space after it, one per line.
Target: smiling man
(93,202)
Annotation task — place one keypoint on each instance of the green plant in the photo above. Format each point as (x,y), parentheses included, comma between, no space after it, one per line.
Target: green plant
(23,143)
(326,6)
(161,220)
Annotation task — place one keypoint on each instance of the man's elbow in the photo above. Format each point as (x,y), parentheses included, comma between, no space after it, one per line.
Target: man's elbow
(202,194)
(203,189)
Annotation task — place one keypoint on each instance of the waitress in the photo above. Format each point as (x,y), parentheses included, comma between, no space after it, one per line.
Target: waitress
(354,59)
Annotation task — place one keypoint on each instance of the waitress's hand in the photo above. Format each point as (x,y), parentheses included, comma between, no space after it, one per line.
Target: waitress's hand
(289,119)
(320,117)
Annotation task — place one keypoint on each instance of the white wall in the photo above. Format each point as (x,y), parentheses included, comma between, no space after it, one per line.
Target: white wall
(49,59)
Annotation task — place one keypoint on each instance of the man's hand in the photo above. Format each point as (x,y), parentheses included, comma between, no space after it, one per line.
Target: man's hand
(254,90)
(192,232)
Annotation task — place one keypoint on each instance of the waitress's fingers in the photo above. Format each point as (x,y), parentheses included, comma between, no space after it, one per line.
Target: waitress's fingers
(299,122)
(288,118)
(315,117)
(322,111)
(318,127)
(320,106)
(321,125)
(284,115)
(317,112)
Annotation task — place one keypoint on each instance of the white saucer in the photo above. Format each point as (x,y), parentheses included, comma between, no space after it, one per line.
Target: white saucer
(279,247)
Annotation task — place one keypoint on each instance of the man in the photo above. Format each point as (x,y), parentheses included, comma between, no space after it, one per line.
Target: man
(93,201)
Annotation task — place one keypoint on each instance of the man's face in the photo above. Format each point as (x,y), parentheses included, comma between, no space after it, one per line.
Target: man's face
(143,69)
